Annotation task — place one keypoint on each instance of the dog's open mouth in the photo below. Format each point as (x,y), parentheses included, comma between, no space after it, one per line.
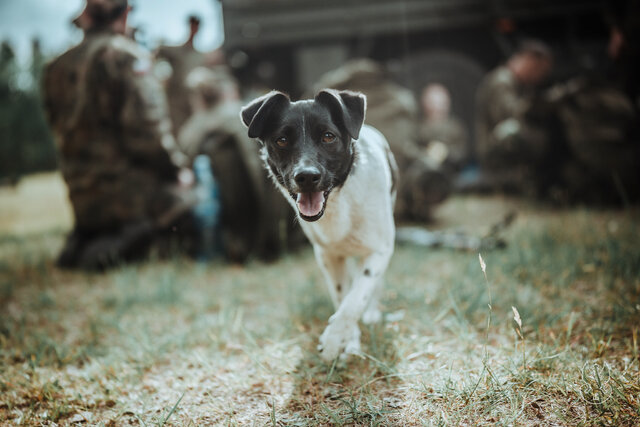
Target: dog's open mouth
(311,205)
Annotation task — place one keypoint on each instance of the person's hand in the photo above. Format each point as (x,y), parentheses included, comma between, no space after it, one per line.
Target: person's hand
(186,177)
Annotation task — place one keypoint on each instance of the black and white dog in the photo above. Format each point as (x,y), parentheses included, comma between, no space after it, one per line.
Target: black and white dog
(339,175)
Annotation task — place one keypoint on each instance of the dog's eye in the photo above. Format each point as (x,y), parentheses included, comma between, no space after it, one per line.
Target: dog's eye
(282,142)
(328,138)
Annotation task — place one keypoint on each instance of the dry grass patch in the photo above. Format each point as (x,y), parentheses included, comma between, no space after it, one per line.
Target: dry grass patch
(180,343)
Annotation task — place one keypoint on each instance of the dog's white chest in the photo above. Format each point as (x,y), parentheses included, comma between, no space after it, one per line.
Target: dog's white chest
(359,216)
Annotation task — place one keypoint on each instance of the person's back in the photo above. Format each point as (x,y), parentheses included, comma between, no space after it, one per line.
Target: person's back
(118,157)
(60,84)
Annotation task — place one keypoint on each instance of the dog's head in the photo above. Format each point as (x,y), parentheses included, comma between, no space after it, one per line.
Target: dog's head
(308,145)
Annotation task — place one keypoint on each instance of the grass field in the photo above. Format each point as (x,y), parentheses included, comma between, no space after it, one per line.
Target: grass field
(181,343)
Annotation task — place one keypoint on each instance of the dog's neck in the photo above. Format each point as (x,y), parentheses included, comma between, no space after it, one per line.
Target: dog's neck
(352,161)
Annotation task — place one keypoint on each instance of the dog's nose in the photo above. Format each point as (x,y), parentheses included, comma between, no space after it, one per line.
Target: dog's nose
(307,177)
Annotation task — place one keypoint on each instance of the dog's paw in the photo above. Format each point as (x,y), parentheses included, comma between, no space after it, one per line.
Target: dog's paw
(353,345)
(372,315)
(338,337)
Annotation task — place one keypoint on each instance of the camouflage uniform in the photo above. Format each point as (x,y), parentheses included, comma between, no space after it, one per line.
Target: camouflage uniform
(449,132)
(393,110)
(117,154)
(603,138)
(509,143)
(255,217)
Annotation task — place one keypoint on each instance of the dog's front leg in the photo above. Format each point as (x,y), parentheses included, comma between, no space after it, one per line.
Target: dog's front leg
(343,333)
(335,273)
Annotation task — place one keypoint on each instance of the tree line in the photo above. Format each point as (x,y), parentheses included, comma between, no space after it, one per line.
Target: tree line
(26,144)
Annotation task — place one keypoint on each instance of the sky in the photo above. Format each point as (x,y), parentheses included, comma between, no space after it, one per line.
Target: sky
(49,20)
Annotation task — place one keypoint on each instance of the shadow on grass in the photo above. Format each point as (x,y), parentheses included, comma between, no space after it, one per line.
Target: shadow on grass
(356,391)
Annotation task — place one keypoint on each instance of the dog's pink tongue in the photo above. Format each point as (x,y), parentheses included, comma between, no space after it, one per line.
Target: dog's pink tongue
(310,204)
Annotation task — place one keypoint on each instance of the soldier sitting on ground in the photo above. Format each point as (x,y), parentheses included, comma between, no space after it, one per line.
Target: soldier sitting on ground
(126,177)
(442,136)
(256,219)
(601,132)
(601,120)
(512,141)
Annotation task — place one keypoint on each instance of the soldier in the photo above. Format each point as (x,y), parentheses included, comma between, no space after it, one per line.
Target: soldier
(510,142)
(443,136)
(117,154)
(601,119)
(255,217)
(624,46)
(601,129)
(392,110)
(180,60)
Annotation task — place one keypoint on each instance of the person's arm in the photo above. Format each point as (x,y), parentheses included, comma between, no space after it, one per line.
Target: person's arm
(506,103)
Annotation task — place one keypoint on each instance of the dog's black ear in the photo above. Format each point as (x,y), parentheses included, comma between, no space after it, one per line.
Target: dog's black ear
(255,114)
(346,107)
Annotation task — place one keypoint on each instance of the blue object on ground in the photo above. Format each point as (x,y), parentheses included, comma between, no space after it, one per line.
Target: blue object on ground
(207,210)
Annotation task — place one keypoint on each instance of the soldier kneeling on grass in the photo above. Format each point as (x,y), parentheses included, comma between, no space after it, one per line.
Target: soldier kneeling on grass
(255,219)
(512,136)
(128,182)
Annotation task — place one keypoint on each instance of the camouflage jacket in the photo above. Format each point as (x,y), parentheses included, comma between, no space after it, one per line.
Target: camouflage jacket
(109,117)
(452,134)
(505,139)
(602,132)
(181,59)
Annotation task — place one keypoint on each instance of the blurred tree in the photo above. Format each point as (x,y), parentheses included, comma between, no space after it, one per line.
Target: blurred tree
(9,153)
(26,144)
(38,149)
